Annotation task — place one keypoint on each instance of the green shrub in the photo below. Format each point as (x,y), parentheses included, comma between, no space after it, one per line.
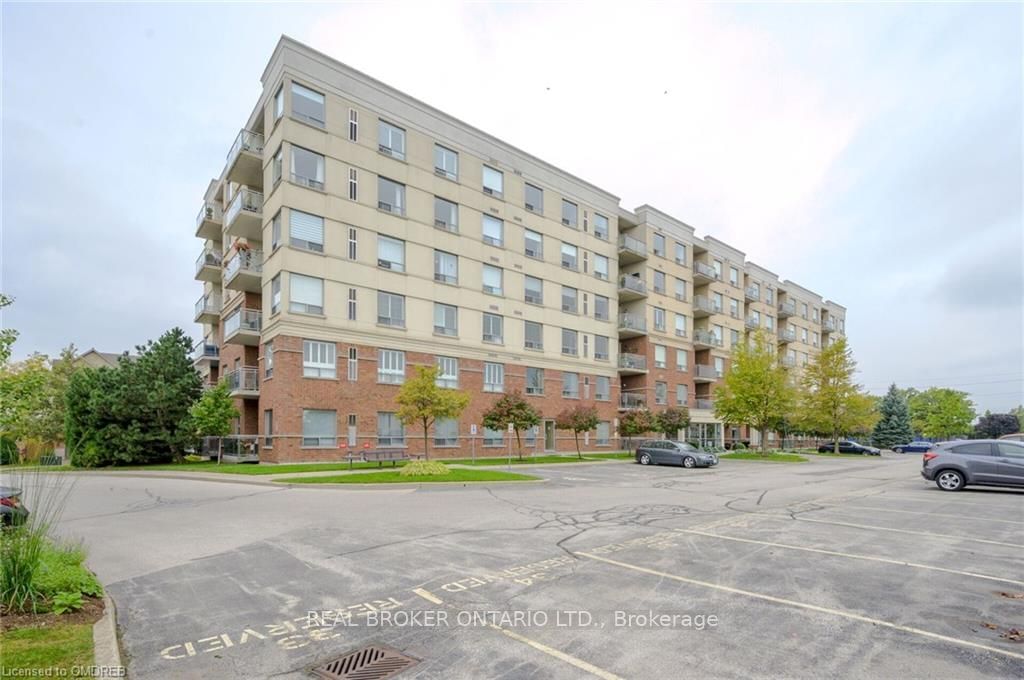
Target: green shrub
(62,569)
(64,603)
(424,467)
(739,446)
(8,451)
(192,458)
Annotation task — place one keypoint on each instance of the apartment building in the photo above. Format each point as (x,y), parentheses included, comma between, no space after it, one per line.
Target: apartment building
(356,233)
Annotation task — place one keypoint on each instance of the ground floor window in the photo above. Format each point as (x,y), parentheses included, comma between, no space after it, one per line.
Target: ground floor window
(446,432)
(493,437)
(390,431)
(319,428)
(603,433)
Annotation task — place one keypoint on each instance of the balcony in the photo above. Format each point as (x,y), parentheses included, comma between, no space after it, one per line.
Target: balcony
(242,326)
(703,339)
(828,326)
(631,249)
(703,373)
(632,364)
(704,404)
(787,309)
(245,159)
(631,288)
(243,271)
(751,323)
(631,402)
(244,216)
(631,325)
(208,309)
(208,265)
(704,306)
(786,336)
(752,294)
(208,221)
(244,382)
(703,274)
(206,354)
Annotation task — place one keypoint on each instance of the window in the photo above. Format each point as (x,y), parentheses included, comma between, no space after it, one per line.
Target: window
(601,308)
(390,309)
(659,356)
(307,168)
(660,393)
(803,335)
(534,198)
(494,181)
(659,244)
(680,253)
(603,388)
(308,105)
(268,360)
(600,226)
(570,214)
(570,256)
(319,429)
(534,380)
(390,430)
(446,432)
(803,310)
(492,280)
(717,331)
(447,372)
(659,319)
(275,294)
(446,319)
(493,328)
(533,290)
(351,304)
(533,244)
(277,167)
(391,140)
(494,437)
(716,265)
(279,103)
(306,231)
(1010,450)
(974,449)
(493,231)
(601,267)
(494,377)
(659,282)
(268,429)
(569,342)
(682,395)
(719,363)
(680,289)
(306,294)
(734,276)
(680,325)
(769,323)
(353,184)
(446,214)
(390,253)
(570,385)
(390,196)
(391,366)
(353,364)
(353,125)
(275,231)
(734,308)
(681,360)
(734,337)
(768,296)
(318,359)
(570,300)
(586,351)
(601,347)
(815,338)
(446,162)
(446,267)
(603,435)
(716,299)
(533,333)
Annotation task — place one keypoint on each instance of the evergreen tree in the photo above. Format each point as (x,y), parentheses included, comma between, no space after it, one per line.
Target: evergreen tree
(893,427)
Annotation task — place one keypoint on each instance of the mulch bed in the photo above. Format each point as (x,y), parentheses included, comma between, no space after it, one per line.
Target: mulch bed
(89,613)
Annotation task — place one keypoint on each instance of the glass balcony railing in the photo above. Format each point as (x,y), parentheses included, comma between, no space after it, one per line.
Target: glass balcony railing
(208,304)
(205,350)
(245,379)
(208,258)
(632,245)
(706,371)
(243,320)
(787,309)
(704,404)
(705,270)
(248,261)
(636,362)
(705,304)
(632,283)
(630,401)
(247,201)
(208,212)
(787,336)
(248,141)
(752,293)
(632,322)
(703,337)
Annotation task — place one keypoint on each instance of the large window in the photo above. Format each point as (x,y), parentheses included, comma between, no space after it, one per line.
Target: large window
(446,432)
(681,325)
(600,226)
(533,335)
(446,267)
(494,181)
(659,282)
(680,253)
(391,140)
(446,162)
(492,280)
(277,167)
(447,372)
(493,328)
(601,347)
(601,308)
(307,168)
(603,435)
(319,359)
(601,267)
(660,393)
(390,253)
(570,214)
(659,356)
(308,105)
(534,198)
(306,231)
(680,289)
(570,340)
(275,294)
(603,388)
(570,385)
(446,319)
(390,309)
(570,256)
(659,244)
(446,214)
(306,294)
(391,366)
(682,395)
(533,244)
(681,360)
(493,231)
(390,430)
(570,300)
(533,290)
(319,429)
(494,437)
(494,377)
(390,196)
(268,360)
(534,381)
(659,319)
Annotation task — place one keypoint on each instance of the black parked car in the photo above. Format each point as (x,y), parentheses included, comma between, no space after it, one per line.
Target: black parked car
(849,446)
(12,512)
(671,452)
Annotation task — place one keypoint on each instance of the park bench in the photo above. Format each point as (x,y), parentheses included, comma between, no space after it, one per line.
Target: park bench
(379,457)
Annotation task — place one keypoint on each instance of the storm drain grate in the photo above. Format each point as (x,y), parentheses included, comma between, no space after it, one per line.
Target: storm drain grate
(375,662)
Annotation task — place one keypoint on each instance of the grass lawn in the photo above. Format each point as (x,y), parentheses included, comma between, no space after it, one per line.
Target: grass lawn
(617,455)
(771,457)
(62,646)
(393,477)
(527,460)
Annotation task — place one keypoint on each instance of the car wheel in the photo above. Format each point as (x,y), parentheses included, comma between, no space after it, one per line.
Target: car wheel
(949,480)
(645,459)
(898,449)
(689,462)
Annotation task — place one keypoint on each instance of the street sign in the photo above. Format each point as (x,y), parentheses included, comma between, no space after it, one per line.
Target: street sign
(472,429)
(511,428)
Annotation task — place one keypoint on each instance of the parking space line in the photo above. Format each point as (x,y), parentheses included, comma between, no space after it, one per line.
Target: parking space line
(1018,497)
(800,518)
(427,595)
(931,514)
(835,553)
(807,606)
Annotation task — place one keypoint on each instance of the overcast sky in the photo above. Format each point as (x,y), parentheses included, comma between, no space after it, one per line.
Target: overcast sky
(872,153)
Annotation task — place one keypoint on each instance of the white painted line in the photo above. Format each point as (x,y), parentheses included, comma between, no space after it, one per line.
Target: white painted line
(854,556)
(800,518)
(804,605)
(562,656)
(931,514)
(994,505)
(427,595)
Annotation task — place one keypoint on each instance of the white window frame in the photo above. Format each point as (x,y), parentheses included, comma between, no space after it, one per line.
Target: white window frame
(390,299)
(447,372)
(319,359)
(390,366)
(496,322)
(386,259)
(493,183)
(390,139)
(492,231)
(319,441)
(445,311)
(494,377)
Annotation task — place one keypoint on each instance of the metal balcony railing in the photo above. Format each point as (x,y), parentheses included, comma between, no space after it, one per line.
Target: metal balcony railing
(208,304)
(704,337)
(245,200)
(632,322)
(250,261)
(243,320)
(632,283)
(247,140)
(208,211)
(706,304)
(208,258)
(636,362)
(245,379)
(706,371)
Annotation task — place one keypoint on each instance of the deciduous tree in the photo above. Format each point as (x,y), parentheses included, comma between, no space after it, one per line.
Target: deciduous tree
(634,423)
(829,400)
(512,408)
(7,334)
(893,426)
(420,400)
(213,414)
(995,425)
(578,419)
(671,421)
(941,413)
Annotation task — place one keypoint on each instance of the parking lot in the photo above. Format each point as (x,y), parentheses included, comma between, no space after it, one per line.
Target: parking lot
(849,566)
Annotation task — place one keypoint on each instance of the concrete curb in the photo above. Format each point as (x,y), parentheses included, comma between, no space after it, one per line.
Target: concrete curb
(106,650)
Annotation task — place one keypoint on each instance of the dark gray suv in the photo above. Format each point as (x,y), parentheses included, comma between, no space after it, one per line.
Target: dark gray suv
(988,462)
(670,452)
